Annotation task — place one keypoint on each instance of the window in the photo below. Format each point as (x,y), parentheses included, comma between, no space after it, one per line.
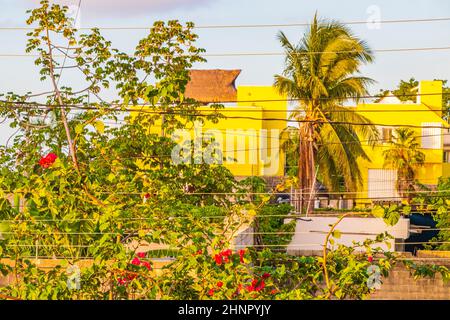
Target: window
(446,156)
(386,134)
(431,135)
(382,185)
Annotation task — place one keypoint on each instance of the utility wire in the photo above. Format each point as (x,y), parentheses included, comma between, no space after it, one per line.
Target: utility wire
(428,193)
(242,233)
(204,103)
(262,54)
(253,26)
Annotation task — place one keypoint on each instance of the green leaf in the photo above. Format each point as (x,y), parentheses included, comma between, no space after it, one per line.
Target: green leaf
(79,128)
(378,211)
(441,210)
(336,234)
(391,218)
(406,210)
(99,126)
(142,233)
(388,245)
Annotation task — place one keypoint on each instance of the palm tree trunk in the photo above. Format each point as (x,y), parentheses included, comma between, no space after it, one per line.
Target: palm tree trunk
(306,165)
(301,169)
(310,170)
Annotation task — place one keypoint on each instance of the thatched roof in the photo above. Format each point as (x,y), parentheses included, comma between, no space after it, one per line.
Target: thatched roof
(212,85)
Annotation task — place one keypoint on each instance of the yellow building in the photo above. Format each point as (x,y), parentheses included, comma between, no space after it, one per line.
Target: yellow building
(425,118)
(248,135)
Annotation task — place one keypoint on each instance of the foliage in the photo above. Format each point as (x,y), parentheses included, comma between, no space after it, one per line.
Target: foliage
(255,186)
(390,214)
(446,100)
(427,271)
(405,156)
(106,189)
(320,71)
(88,190)
(272,225)
(406,91)
(290,143)
(347,267)
(437,204)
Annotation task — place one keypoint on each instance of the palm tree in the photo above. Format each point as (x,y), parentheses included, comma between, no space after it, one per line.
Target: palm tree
(405,156)
(321,72)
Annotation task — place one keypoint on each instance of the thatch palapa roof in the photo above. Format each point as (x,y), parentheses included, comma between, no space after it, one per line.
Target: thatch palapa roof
(214,85)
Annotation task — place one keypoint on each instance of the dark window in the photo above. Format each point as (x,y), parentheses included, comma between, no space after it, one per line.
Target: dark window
(386,134)
(446,156)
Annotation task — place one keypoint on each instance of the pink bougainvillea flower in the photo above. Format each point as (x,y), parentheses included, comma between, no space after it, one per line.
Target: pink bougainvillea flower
(48,160)
(141,254)
(250,288)
(218,259)
(211,292)
(121,281)
(238,290)
(266,275)
(147,265)
(370,259)
(226,253)
(260,286)
(136,261)
(220,284)
(52,157)
(131,277)
(241,255)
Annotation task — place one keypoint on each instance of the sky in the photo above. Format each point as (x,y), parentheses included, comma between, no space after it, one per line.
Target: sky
(18,74)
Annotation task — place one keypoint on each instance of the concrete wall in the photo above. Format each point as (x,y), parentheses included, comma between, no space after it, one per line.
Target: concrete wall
(401,285)
(310,235)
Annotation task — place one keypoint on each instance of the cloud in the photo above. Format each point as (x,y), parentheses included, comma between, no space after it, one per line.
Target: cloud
(130,7)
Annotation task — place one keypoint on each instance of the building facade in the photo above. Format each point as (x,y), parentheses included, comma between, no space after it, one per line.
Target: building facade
(423,117)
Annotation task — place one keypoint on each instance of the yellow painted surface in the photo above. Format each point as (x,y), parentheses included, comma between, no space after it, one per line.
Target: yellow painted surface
(433,254)
(391,114)
(259,109)
(446,170)
(431,95)
(250,144)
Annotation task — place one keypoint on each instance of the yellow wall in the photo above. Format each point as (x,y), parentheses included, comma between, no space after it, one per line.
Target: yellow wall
(244,122)
(446,170)
(274,106)
(431,95)
(257,105)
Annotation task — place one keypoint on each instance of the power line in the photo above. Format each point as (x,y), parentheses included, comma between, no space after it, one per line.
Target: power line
(149,233)
(428,193)
(319,244)
(262,54)
(253,26)
(88,107)
(305,24)
(235,132)
(264,119)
